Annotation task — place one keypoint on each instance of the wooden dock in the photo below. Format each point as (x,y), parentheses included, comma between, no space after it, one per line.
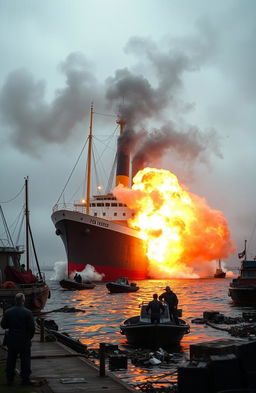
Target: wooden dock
(55,362)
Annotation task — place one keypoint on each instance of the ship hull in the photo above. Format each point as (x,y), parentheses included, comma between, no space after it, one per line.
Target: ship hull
(243,296)
(112,249)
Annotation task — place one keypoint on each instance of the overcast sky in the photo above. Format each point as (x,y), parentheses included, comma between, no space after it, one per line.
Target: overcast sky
(186,70)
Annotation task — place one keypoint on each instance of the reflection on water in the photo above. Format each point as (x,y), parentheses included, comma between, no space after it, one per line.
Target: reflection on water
(104,312)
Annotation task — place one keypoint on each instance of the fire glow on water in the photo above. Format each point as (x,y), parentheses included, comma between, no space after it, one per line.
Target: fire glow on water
(181,231)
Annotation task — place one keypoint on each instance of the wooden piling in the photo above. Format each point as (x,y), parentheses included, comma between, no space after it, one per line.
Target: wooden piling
(102,360)
(42,332)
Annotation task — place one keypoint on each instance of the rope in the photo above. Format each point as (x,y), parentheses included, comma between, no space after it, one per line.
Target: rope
(71,173)
(16,196)
(104,114)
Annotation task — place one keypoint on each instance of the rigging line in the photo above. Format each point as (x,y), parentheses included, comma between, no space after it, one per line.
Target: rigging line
(16,221)
(72,170)
(96,172)
(74,194)
(111,177)
(105,114)
(16,196)
(100,162)
(106,145)
(9,238)
(108,136)
(20,228)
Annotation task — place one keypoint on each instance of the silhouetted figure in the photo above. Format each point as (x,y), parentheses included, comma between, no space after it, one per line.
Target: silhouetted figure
(78,278)
(23,268)
(156,307)
(171,299)
(21,328)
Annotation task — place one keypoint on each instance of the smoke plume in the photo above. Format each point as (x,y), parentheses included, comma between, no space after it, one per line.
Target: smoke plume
(33,120)
(149,91)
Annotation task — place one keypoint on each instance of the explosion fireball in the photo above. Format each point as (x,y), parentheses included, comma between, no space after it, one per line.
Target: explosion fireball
(181,231)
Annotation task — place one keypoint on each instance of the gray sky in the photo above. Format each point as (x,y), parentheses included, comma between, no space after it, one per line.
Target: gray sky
(185,70)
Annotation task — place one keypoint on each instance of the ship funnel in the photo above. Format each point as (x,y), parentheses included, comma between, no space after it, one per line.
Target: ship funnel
(123,158)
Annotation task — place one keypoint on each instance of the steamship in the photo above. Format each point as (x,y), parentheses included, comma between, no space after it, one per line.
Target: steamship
(95,231)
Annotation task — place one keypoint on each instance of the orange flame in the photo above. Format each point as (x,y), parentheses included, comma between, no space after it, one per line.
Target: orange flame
(180,229)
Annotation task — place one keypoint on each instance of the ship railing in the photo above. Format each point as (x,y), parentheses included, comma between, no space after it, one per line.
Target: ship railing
(69,206)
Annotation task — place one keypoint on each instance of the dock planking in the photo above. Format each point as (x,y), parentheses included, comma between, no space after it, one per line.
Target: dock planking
(54,361)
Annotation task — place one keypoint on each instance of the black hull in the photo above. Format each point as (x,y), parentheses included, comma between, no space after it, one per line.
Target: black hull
(220,275)
(154,335)
(75,286)
(111,248)
(243,296)
(117,288)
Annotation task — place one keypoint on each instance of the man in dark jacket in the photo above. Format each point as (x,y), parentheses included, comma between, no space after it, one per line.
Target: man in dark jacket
(21,328)
(171,299)
(155,306)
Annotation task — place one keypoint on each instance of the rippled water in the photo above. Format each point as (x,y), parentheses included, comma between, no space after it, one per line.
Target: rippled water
(104,312)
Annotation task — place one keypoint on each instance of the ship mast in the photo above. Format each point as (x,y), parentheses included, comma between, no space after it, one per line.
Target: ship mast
(89,164)
(27,222)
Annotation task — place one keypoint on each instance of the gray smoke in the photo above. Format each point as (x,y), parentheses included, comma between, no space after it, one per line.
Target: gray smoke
(189,144)
(142,101)
(32,119)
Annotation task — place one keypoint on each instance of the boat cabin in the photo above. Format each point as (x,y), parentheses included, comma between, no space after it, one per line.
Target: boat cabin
(11,269)
(248,269)
(122,281)
(146,318)
(9,258)
(247,276)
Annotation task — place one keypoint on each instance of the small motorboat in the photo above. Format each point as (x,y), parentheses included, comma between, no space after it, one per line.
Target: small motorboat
(122,285)
(139,330)
(73,285)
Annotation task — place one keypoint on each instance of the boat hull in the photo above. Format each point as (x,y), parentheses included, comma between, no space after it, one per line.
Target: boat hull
(220,275)
(154,335)
(75,286)
(35,296)
(117,288)
(112,249)
(243,296)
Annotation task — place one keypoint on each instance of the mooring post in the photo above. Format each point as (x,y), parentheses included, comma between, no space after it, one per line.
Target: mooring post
(41,330)
(102,360)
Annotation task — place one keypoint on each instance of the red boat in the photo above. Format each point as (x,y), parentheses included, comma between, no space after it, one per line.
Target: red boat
(95,231)
(16,277)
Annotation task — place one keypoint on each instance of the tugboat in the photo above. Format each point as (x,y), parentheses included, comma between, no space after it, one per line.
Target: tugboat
(219,272)
(122,285)
(242,289)
(139,330)
(16,277)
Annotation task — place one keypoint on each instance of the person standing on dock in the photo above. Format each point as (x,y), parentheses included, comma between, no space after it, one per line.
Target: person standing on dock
(155,307)
(21,328)
(171,299)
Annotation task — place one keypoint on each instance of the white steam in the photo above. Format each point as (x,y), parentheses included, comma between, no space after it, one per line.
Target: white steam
(60,271)
(88,274)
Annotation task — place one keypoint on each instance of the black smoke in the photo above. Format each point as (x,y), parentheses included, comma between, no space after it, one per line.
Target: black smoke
(130,93)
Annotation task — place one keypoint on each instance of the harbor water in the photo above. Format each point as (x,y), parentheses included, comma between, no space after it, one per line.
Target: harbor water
(104,312)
